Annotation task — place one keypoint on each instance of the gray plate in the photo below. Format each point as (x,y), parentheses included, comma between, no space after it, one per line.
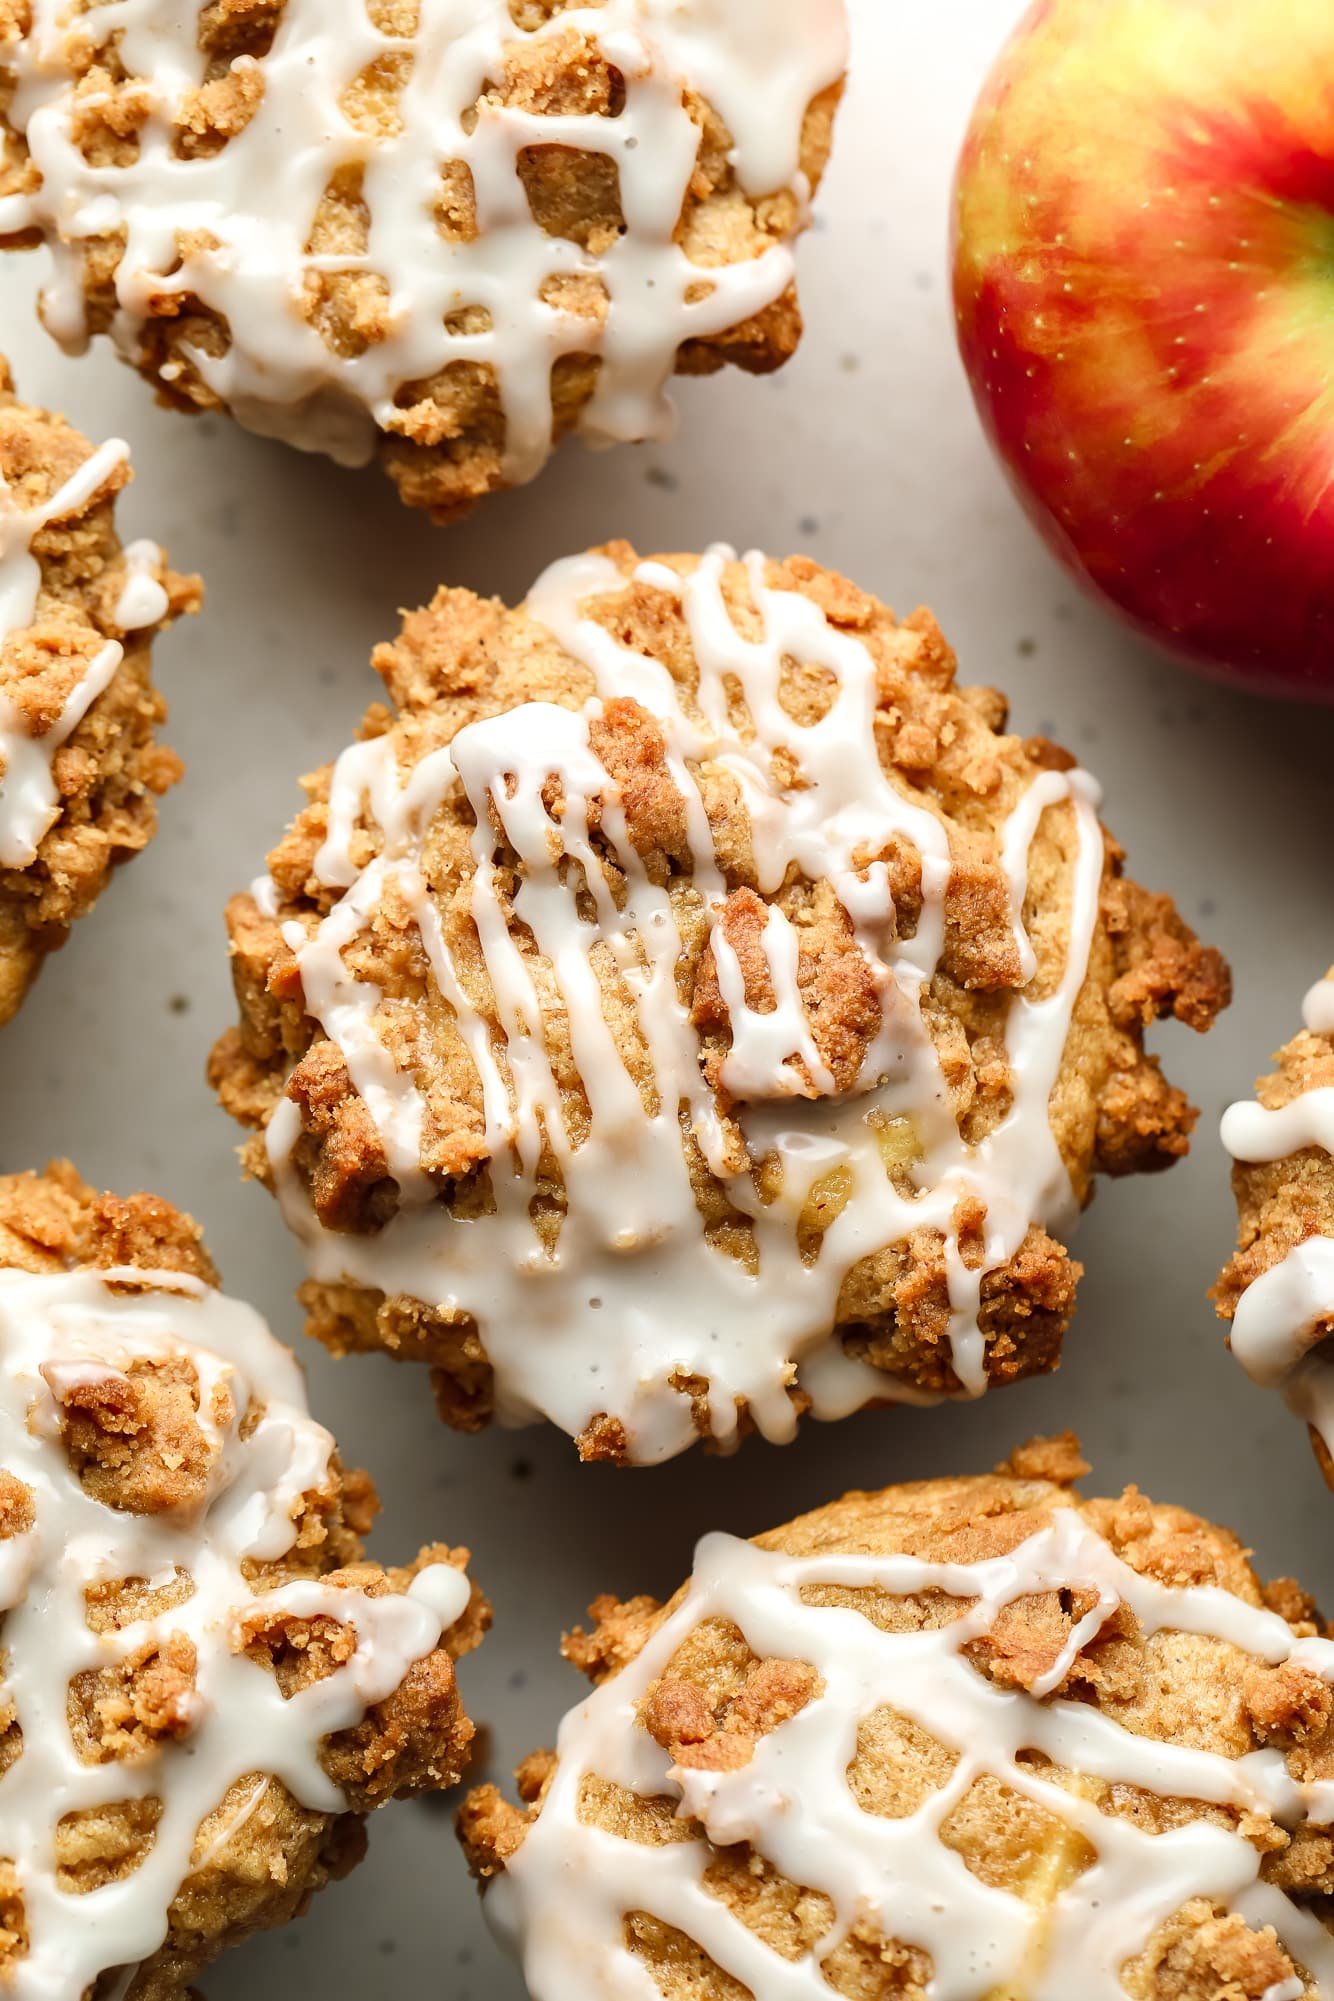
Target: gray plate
(866,454)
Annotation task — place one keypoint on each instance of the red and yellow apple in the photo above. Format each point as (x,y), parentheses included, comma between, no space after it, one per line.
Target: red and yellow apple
(1144,288)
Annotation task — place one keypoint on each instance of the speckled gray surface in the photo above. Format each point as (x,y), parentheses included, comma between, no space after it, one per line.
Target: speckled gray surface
(866,454)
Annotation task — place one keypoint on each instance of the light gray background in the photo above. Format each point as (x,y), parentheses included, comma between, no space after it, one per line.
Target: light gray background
(865,453)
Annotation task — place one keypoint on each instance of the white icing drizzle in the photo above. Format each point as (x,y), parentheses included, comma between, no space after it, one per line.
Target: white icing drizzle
(562,1900)
(1282,1316)
(234,229)
(29,805)
(56,1331)
(143,600)
(1318,1007)
(636,1293)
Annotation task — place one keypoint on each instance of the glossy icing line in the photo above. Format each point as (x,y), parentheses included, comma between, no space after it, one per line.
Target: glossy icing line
(636,1297)
(234,229)
(1283,1314)
(1318,1008)
(29,805)
(61,1330)
(563,1899)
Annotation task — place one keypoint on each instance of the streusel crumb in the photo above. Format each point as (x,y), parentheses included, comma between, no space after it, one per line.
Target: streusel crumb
(1277,1292)
(449,241)
(687,1007)
(257,1683)
(81,769)
(977,1736)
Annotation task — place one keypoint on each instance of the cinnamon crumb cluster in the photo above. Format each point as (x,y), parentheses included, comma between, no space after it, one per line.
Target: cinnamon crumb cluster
(149,1434)
(110,770)
(710,1706)
(942,748)
(529,245)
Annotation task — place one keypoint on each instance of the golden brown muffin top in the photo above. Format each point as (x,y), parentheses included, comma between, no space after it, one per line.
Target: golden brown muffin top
(978,1736)
(1278,1290)
(203,1677)
(452,236)
(79,766)
(686,967)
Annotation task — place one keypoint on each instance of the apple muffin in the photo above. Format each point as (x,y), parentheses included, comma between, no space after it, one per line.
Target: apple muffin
(447,236)
(1278,1290)
(207,1687)
(685,1007)
(81,769)
(971,1737)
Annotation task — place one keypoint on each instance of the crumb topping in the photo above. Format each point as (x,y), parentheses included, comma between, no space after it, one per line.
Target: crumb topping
(362,224)
(1278,1291)
(80,771)
(624,983)
(966,1738)
(200,1673)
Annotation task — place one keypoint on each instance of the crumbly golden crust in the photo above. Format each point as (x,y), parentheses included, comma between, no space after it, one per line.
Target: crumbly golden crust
(1286,1202)
(447,443)
(462,658)
(134,1445)
(716,1699)
(111,771)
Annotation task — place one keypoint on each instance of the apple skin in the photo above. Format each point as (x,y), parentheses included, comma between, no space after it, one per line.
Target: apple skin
(1144,293)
